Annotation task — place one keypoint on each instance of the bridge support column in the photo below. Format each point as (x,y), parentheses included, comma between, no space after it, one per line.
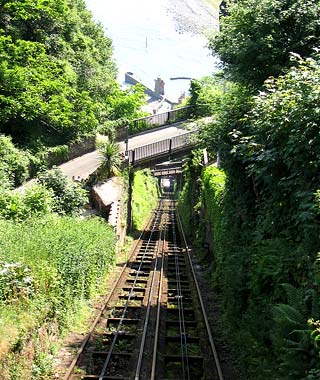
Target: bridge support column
(129,205)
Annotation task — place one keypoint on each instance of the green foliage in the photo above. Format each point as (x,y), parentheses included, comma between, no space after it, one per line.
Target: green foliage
(14,163)
(110,153)
(18,206)
(49,269)
(66,258)
(268,212)
(188,196)
(144,197)
(58,77)
(269,220)
(206,95)
(53,155)
(42,367)
(292,336)
(213,181)
(16,282)
(281,155)
(68,196)
(257,36)
(126,104)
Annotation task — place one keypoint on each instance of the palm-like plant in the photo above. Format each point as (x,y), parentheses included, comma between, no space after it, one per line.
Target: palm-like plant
(110,152)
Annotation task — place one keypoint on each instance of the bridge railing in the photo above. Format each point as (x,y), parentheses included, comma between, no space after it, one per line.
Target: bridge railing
(169,117)
(158,148)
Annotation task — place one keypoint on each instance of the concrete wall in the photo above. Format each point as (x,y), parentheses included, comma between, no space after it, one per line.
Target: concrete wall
(67,153)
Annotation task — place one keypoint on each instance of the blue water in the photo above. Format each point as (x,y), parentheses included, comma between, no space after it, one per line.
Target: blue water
(150,42)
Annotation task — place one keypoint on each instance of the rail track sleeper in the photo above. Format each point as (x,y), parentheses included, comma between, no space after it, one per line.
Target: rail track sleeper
(134,289)
(138,273)
(177,338)
(182,290)
(158,308)
(144,268)
(92,377)
(175,311)
(124,320)
(117,307)
(106,353)
(177,358)
(137,281)
(174,300)
(132,298)
(176,323)
(124,335)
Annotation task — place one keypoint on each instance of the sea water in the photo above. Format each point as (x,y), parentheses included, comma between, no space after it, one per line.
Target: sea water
(154,38)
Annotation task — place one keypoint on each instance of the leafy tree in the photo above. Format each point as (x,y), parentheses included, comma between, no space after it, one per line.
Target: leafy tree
(57,74)
(269,146)
(257,36)
(206,95)
(127,103)
(283,155)
(68,196)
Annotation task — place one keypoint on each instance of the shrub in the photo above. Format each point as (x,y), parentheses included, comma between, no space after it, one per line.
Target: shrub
(68,195)
(19,206)
(14,165)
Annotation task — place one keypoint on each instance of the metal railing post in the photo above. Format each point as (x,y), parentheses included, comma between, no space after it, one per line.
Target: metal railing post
(133,156)
(170,148)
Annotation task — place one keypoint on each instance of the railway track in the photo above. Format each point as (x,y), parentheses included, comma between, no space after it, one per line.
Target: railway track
(153,326)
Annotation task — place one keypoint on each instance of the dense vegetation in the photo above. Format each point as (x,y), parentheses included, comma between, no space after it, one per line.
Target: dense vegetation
(263,206)
(57,86)
(144,197)
(57,75)
(49,268)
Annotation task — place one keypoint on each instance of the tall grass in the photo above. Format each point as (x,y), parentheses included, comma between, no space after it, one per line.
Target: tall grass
(48,267)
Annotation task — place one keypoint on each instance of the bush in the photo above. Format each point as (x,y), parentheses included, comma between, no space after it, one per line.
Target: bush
(68,195)
(19,206)
(14,163)
(54,155)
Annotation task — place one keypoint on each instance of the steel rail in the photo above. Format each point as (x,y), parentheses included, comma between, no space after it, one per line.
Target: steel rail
(102,309)
(213,347)
(155,346)
(151,295)
(107,361)
(157,328)
(182,326)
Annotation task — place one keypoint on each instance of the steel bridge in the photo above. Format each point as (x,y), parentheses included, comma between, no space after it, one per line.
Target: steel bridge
(166,149)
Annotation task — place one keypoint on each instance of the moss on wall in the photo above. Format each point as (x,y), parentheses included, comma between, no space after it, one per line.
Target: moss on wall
(144,197)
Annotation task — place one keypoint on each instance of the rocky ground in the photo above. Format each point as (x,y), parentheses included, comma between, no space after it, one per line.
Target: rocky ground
(196,16)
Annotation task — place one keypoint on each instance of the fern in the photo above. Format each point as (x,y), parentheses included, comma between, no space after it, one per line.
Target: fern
(292,335)
(294,297)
